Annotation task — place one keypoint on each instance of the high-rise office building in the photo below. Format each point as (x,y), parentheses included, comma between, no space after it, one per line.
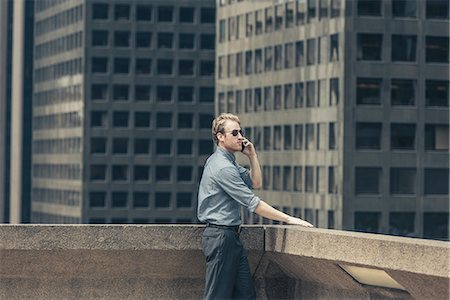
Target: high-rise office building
(347,103)
(16,65)
(122,109)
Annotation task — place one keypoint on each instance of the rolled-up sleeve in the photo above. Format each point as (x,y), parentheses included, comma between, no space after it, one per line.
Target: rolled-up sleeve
(230,180)
(245,175)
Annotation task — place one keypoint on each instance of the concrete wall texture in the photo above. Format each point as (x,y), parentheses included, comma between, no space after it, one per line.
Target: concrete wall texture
(165,262)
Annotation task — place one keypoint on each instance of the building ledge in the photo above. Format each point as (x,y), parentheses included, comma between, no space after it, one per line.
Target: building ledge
(165,262)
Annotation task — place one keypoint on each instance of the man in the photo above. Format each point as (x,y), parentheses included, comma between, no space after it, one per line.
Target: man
(224,187)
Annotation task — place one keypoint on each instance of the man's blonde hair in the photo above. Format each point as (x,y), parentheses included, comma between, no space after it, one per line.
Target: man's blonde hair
(218,124)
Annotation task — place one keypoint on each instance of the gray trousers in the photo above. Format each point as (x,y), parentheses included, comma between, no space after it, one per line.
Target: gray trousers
(227,272)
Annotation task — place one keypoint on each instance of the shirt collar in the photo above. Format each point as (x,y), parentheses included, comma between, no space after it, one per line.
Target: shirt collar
(229,155)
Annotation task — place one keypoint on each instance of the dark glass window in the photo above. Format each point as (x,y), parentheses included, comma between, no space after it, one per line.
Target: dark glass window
(402,223)
(184,147)
(205,147)
(143,39)
(97,199)
(187,14)
(164,93)
(99,92)
(142,93)
(141,146)
(208,15)
(163,173)
(185,120)
(205,121)
(436,137)
(164,120)
(185,94)
(367,180)
(162,200)
(165,14)
(184,200)
(367,221)
(122,39)
(121,12)
(184,173)
(119,199)
(368,136)
(143,13)
(100,38)
(370,46)
(143,66)
(140,199)
(165,67)
(121,65)
(142,119)
(403,181)
(369,8)
(99,65)
(207,41)
(403,47)
(206,94)
(186,41)
(436,49)
(207,68)
(436,181)
(403,136)
(165,40)
(404,8)
(120,119)
(99,119)
(437,9)
(120,146)
(98,172)
(119,172)
(435,224)
(436,93)
(403,92)
(163,146)
(98,145)
(120,92)
(141,173)
(186,67)
(100,11)
(368,91)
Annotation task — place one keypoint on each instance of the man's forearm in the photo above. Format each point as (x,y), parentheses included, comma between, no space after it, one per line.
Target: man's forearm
(255,172)
(265,210)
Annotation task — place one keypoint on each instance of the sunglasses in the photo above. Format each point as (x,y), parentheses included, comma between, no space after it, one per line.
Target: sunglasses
(235,132)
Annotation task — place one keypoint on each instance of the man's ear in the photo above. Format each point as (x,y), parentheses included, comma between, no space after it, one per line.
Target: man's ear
(220,137)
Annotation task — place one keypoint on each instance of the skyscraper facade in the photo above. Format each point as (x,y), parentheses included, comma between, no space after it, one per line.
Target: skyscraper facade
(123,102)
(347,105)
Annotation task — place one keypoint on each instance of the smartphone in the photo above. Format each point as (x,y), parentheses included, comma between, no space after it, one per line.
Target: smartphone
(243,147)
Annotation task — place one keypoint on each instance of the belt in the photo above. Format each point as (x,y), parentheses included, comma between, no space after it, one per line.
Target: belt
(235,228)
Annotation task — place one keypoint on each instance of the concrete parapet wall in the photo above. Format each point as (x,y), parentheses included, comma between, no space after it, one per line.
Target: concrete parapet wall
(165,262)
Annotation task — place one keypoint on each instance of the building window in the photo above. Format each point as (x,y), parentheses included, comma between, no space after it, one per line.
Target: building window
(287,178)
(289,55)
(311,9)
(298,137)
(323,9)
(287,137)
(164,120)
(119,199)
(205,147)
(299,54)
(367,180)
(401,223)
(436,137)
(141,146)
(184,200)
(165,14)
(141,173)
(143,66)
(100,11)
(206,94)
(163,173)
(335,8)
(332,133)
(208,15)
(369,46)
(121,39)
(279,17)
(403,92)
(141,199)
(187,14)
(267,138)
(207,41)
(99,92)
(289,14)
(142,93)
(258,22)
(437,9)
(368,136)
(334,92)
(309,179)
(98,145)
(370,8)
(121,65)
(405,48)
(165,67)
(300,13)
(249,24)
(100,38)
(120,92)
(162,200)
(276,176)
(97,199)
(267,98)
(165,40)
(310,94)
(298,179)
(367,221)
(403,181)
(436,49)
(277,142)
(143,13)
(143,39)
(121,12)
(221,31)
(186,41)
(404,8)
(207,68)
(299,95)
(436,93)
(268,59)
(334,47)
(266,177)
(184,173)
(436,181)
(142,119)
(98,172)
(269,19)
(185,120)
(120,145)
(186,67)
(184,147)
(99,65)
(163,146)
(368,91)
(120,119)
(288,96)
(435,224)
(332,185)
(311,52)
(403,136)
(119,172)
(185,94)
(330,220)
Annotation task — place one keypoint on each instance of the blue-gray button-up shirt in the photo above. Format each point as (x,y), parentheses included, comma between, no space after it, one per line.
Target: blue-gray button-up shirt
(224,187)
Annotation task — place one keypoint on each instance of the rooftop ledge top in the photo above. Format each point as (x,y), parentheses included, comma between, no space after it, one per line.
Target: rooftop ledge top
(414,255)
